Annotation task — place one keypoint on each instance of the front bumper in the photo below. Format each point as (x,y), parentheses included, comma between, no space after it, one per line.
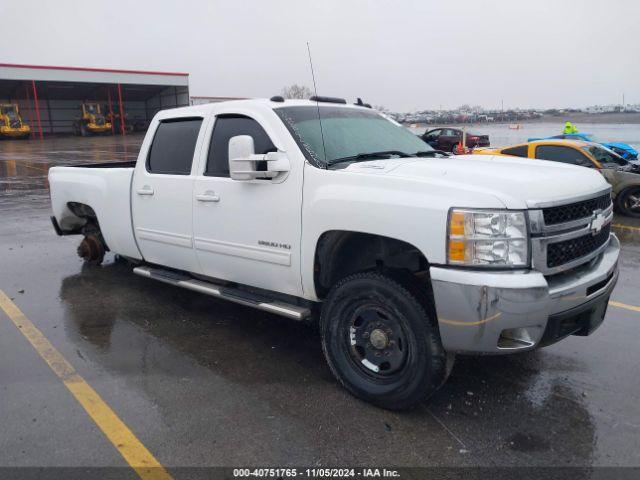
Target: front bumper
(95,128)
(15,132)
(503,312)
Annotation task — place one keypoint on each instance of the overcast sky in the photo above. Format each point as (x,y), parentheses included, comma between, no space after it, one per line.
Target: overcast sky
(403,54)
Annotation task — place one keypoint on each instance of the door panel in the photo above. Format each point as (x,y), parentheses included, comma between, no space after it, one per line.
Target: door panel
(448,139)
(162,195)
(251,235)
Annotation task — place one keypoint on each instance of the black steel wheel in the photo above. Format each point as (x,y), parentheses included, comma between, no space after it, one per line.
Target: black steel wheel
(378,342)
(629,201)
(381,340)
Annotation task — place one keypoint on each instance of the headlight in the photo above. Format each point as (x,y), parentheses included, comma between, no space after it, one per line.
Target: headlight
(487,238)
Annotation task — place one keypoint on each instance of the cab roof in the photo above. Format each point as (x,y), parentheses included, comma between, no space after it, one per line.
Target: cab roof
(560,141)
(254,102)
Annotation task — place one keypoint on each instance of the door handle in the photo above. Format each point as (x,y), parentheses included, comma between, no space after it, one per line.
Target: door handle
(146,190)
(208,196)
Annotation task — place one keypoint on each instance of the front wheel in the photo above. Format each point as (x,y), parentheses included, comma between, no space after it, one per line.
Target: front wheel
(381,341)
(628,202)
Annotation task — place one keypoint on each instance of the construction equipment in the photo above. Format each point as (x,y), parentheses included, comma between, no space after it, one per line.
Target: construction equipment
(91,121)
(11,124)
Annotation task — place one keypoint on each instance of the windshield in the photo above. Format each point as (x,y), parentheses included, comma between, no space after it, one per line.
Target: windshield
(605,156)
(347,132)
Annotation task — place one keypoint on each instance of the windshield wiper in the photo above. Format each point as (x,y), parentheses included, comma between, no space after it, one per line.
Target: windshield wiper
(370,156)
(430,153)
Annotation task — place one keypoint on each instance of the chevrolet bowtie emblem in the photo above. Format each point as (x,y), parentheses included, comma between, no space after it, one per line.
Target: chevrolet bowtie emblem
(597,222)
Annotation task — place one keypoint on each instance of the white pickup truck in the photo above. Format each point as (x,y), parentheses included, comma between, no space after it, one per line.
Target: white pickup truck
(408,255)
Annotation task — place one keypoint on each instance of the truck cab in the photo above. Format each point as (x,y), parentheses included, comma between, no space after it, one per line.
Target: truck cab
(321,210)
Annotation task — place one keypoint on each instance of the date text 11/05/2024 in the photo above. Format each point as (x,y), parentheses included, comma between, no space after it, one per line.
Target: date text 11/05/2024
(315,473)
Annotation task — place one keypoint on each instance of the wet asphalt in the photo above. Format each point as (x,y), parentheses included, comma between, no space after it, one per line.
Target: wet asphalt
(203,382)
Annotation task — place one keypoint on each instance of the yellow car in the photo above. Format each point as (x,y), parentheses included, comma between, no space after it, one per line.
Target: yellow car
(623,175)
(11,124)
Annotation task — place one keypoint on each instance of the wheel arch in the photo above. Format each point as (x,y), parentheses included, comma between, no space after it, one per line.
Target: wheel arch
(339,253)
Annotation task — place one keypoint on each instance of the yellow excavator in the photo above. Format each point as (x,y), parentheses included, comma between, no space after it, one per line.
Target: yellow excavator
(91,120)
(11,124)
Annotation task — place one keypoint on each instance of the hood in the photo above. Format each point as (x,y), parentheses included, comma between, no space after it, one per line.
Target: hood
(517,183)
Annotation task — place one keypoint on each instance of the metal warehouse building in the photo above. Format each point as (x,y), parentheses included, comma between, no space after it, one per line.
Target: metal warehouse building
(49,98)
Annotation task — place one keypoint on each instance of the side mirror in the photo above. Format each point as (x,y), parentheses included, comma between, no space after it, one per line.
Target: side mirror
(245,165)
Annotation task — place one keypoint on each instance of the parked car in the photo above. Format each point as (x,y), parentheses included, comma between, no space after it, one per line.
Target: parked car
(447,139)
(625,150)
(407,256)
(623,175)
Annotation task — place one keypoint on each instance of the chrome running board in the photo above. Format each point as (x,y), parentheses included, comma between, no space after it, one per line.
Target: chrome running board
(232,294)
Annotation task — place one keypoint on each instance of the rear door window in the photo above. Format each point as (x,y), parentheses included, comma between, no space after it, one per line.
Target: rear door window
(519,151)
(228,126)
(562,154)
(173,146)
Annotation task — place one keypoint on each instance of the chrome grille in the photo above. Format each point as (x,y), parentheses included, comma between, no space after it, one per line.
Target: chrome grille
(566,236)
(575,211)
(564,252)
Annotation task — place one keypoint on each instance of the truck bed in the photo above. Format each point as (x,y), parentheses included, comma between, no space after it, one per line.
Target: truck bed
(106,188)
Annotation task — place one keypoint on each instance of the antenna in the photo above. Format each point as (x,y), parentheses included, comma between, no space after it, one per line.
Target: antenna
(315,89)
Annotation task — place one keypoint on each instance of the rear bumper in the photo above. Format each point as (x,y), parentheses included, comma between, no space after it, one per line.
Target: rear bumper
(503,312)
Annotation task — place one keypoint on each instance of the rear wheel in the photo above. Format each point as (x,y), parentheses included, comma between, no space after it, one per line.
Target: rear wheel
(381,342)
(628,201)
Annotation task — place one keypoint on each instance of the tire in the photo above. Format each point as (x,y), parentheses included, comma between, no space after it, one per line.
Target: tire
(83,131)
(628,201)
(393,311)
(454,148)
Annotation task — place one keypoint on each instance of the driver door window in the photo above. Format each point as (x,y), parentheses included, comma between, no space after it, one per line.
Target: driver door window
(557,153)
(228,126)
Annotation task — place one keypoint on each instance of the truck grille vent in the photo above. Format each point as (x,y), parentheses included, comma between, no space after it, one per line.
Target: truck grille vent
(569,250)
(575,211)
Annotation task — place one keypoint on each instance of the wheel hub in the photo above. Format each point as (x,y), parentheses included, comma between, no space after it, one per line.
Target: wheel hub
(634,201)
(377,341)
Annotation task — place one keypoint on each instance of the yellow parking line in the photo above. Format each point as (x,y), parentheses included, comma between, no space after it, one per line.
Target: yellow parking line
(633,308)
(625,227)
(133,451)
